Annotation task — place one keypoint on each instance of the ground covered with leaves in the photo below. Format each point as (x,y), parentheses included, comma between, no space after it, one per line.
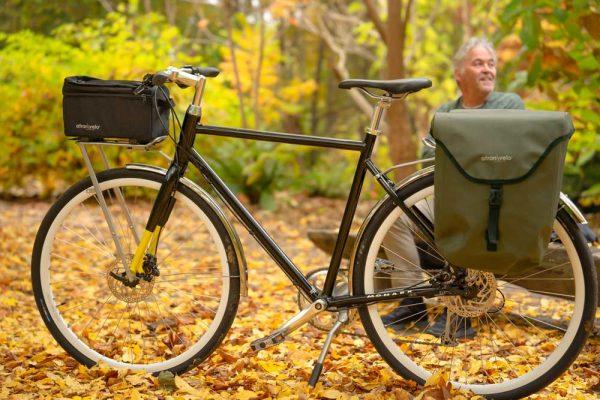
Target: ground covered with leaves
(32,365)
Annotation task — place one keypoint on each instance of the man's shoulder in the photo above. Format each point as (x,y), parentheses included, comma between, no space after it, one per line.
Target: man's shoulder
(505,100)
(449,106)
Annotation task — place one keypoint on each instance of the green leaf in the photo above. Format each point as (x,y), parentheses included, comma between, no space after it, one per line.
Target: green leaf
(585,157)
(531,30)
(590,116)
(534,71)
(511,12)
(267,201)
(593,191)
(588,63)
(560,14)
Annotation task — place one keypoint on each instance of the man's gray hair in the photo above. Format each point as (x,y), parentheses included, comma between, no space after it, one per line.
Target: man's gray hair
(470,44)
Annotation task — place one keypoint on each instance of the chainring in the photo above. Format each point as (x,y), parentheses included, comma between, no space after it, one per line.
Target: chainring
(324,321)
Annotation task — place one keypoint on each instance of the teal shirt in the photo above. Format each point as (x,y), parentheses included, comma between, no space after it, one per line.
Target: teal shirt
(496,100)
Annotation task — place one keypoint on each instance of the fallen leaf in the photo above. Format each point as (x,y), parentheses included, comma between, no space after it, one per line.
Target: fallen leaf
(185,387)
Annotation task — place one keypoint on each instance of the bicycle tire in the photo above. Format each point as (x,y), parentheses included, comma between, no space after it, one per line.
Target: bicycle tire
(167,318)
(412,361)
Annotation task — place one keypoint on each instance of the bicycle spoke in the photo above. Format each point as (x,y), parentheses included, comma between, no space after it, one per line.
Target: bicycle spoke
(105,251)
(532,274)
(88,212)
(406,259)
(425,251)
(181,245)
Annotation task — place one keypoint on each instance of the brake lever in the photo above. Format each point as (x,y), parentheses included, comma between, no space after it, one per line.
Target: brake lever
(159,79)
(146,83)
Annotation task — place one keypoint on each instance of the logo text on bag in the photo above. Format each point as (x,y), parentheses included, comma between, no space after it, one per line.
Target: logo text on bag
(87,127)
(496,158)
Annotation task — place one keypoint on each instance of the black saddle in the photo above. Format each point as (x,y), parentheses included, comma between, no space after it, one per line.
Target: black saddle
(395,86)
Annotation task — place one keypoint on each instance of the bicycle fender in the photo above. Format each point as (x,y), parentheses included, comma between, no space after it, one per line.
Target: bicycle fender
(235,239)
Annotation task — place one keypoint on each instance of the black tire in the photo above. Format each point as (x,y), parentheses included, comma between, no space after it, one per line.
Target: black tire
(160,337)
(574,338)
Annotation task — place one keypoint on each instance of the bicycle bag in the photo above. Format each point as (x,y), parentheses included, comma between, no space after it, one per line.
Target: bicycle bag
(497,177)
(96,109)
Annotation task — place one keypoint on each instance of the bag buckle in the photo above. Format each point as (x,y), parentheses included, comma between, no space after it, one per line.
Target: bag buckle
(495,199)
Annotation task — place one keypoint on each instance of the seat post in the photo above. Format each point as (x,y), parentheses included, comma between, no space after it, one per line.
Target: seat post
(383,103)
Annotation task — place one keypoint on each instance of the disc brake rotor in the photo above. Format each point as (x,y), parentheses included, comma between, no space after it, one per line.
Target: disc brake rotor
(484,285)
(134,294)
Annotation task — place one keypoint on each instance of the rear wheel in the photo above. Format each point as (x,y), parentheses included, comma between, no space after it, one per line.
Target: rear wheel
(509,341)
(170,322)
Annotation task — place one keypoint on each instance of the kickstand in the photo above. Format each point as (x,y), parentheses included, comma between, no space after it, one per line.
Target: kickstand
(318,368)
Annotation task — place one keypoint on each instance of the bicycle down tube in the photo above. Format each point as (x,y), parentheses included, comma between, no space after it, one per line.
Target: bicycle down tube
(364,164)
(254,227)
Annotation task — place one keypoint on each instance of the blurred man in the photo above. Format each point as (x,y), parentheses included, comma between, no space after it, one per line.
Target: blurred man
(475,74)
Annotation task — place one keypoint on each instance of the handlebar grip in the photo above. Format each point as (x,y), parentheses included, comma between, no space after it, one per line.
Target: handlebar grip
(159,78)
(209,72)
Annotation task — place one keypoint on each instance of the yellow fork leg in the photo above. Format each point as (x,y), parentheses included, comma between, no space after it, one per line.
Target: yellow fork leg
(154,242)
(149,242)
(136,264)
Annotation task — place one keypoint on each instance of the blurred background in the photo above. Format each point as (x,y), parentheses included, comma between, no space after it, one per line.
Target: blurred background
(281,61)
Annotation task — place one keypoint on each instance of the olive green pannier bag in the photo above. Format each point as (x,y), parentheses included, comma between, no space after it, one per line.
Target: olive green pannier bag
(497,184)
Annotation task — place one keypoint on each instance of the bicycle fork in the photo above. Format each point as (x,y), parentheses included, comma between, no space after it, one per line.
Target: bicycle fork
(144,259)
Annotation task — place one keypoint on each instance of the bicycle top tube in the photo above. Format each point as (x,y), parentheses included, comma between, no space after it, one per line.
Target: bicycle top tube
(185,152)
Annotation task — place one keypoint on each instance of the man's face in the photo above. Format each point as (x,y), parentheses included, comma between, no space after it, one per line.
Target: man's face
(478,72)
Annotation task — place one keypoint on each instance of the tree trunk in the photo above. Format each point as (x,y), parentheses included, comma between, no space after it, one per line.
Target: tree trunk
(315,97)
(402,145)
(106,5)
(171,11)
(259,63)
(465,14)
(236,73)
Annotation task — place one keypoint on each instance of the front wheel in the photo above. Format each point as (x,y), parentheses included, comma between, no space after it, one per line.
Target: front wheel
(517,335)
(168,322)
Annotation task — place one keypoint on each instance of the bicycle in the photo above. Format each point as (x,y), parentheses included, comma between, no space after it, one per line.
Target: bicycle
(164,298)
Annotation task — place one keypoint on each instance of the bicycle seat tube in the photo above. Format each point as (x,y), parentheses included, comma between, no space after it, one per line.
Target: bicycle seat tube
(359,177)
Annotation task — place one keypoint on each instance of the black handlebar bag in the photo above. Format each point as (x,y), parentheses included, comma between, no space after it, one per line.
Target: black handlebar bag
(498,176)
(96,109)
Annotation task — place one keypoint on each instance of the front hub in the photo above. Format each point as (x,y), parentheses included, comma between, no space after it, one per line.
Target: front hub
(122,289)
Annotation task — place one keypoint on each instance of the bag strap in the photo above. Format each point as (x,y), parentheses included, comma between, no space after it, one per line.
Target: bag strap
(492,234)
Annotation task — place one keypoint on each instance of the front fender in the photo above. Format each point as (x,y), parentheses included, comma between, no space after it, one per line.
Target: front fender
(239,251)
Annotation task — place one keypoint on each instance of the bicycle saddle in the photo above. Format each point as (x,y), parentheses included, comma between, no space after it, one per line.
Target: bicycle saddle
(395,86)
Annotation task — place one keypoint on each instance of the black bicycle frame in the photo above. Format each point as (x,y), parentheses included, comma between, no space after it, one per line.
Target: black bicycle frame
(365,147)
(186,153)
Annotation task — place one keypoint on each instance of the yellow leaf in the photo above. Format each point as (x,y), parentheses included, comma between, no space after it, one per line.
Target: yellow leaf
(475,366)
(244,394)
(436,379)
(134,395)
(331,394)
(185,387)
(273,367)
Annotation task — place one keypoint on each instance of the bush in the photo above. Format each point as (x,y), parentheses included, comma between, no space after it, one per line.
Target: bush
(32,67)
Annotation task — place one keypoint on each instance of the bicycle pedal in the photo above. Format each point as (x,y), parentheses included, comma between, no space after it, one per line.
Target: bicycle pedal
(267,341)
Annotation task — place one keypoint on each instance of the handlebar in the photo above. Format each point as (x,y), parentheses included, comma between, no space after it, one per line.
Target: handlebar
(184,77)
